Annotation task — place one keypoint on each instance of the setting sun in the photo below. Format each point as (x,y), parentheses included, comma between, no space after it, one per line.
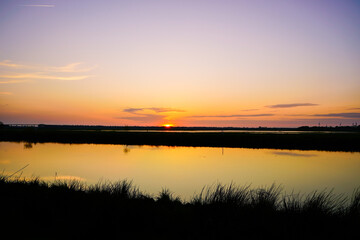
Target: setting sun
(168,125)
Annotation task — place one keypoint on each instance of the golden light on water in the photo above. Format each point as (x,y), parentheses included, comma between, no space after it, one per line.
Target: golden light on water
(185,170)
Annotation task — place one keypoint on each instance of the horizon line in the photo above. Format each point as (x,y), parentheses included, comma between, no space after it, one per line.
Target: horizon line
(161,126)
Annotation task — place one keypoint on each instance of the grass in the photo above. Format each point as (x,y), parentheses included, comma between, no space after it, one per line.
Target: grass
(35,209)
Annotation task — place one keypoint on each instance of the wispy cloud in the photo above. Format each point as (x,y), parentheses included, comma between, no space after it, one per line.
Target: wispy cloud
(72,68)
(160,110)
(41,76)
(293,154)
(339,115)
(249,110)
(148,115)
(157,110)
(146,118)
(8,63)
(5,93)
(132,110)
(233,116)
(347,115)
(13,81)
(69,68)
(69,72)
(291,105)
(38,5)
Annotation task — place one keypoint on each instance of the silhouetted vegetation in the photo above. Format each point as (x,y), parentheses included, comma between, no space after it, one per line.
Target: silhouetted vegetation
(353,128)
(305,140)
(72,210)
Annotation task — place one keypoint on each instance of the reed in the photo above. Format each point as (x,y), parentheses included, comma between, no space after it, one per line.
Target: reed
(121,209)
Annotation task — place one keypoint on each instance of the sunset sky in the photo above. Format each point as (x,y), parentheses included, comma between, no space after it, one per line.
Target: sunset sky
(240,63)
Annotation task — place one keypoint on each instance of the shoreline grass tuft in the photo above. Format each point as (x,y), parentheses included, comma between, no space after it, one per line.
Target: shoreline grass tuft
(119,209)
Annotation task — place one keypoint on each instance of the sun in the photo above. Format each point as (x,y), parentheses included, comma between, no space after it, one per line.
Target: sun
(168,125)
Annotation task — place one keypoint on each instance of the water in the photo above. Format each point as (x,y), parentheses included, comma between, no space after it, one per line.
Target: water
(184,170)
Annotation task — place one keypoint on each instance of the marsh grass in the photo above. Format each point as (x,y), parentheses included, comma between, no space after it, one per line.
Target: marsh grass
(166,196)
(220,194)
(266,198)
(354,207)
(120,209)
(324,203)
(271,197)
(120,189)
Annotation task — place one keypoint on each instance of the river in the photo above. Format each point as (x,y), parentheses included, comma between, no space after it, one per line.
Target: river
(184,170)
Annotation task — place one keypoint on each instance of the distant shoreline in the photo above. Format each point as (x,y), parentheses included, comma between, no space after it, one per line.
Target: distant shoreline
(354,128)
(308,139)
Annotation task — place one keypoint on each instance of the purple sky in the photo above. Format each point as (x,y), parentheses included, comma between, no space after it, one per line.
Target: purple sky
(211,63)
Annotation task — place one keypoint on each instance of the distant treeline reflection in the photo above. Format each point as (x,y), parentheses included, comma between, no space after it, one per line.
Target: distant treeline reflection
(342,139)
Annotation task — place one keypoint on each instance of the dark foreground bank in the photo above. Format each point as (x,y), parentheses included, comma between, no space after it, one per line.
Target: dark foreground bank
(34,209)
(306,140)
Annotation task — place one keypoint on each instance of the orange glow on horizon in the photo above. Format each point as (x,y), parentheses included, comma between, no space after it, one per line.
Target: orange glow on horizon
(168,125)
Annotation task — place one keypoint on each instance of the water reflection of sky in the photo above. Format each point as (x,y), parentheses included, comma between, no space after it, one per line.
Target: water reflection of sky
(184,170)
(293,154)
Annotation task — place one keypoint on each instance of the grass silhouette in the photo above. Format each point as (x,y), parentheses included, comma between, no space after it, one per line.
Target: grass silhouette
(71,209)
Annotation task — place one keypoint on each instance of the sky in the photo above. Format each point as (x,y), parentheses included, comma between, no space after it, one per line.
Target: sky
(239,63)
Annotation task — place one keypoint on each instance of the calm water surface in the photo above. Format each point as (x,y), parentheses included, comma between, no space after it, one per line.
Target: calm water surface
(185,170)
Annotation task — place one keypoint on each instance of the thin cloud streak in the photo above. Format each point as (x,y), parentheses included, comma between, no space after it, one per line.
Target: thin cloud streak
(249,110)
(157,110)
(132,110)
(8,63)
(148,118)
(13,81)
(39,76)
(71,68)
(232,116)
(291,105)
(142,114)
(339,115)
(329,115)
(160,110)
(44,72)
(5,93)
